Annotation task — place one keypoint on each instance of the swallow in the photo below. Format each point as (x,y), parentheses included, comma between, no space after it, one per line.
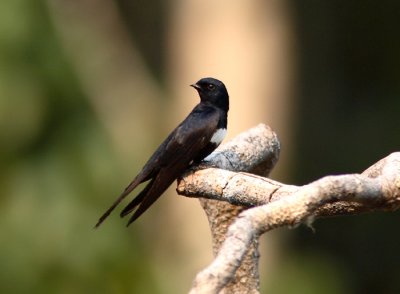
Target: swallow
(189,143)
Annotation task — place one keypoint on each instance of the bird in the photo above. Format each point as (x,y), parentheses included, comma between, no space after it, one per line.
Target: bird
(199,134)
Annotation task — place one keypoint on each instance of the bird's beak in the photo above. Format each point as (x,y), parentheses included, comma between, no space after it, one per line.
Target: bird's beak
(197,87)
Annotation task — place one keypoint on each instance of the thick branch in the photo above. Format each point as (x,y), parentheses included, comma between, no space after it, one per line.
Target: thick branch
(251,190)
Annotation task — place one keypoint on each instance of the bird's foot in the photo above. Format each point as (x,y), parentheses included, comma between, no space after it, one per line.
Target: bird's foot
(202,165)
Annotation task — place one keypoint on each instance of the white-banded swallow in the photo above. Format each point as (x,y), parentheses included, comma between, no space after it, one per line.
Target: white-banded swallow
(194,138)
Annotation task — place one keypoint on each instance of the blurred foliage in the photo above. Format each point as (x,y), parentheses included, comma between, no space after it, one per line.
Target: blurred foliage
(151,15)
(308,272)
(56,163)
(58,166)
(349,100)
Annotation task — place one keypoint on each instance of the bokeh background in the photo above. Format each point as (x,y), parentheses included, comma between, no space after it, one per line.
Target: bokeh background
(88,89)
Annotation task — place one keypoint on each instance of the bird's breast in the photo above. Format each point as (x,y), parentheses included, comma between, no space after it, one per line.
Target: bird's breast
(218,136)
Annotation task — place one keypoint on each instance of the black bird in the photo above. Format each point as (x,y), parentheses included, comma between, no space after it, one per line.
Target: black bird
(195,138)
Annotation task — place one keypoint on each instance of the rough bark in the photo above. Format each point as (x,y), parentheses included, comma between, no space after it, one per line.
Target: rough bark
(268,204)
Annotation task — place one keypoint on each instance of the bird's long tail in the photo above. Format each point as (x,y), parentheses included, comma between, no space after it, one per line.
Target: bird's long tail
(149,195)
(137,200)
(127,190)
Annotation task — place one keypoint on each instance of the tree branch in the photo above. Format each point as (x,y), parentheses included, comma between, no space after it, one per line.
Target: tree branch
(272,204)
(374,189)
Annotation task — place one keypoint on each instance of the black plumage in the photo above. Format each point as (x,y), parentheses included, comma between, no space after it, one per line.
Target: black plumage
(195,138)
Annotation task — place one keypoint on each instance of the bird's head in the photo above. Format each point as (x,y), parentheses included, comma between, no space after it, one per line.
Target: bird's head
(213,91)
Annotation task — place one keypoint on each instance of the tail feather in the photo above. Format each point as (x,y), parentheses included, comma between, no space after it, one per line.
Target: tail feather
(137,200)
(146,203)
(156,188)
(127,190)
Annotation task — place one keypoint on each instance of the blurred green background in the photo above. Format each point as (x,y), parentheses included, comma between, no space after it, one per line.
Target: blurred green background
(84,89)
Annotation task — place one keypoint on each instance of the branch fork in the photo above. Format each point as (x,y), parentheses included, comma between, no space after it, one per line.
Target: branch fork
(241,203)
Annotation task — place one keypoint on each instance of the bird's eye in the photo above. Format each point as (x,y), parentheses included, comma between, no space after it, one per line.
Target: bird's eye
(210,87)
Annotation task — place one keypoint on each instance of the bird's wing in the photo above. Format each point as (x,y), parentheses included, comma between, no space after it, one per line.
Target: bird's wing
(180,146)
(148,171)
(190,137)
(189,140)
